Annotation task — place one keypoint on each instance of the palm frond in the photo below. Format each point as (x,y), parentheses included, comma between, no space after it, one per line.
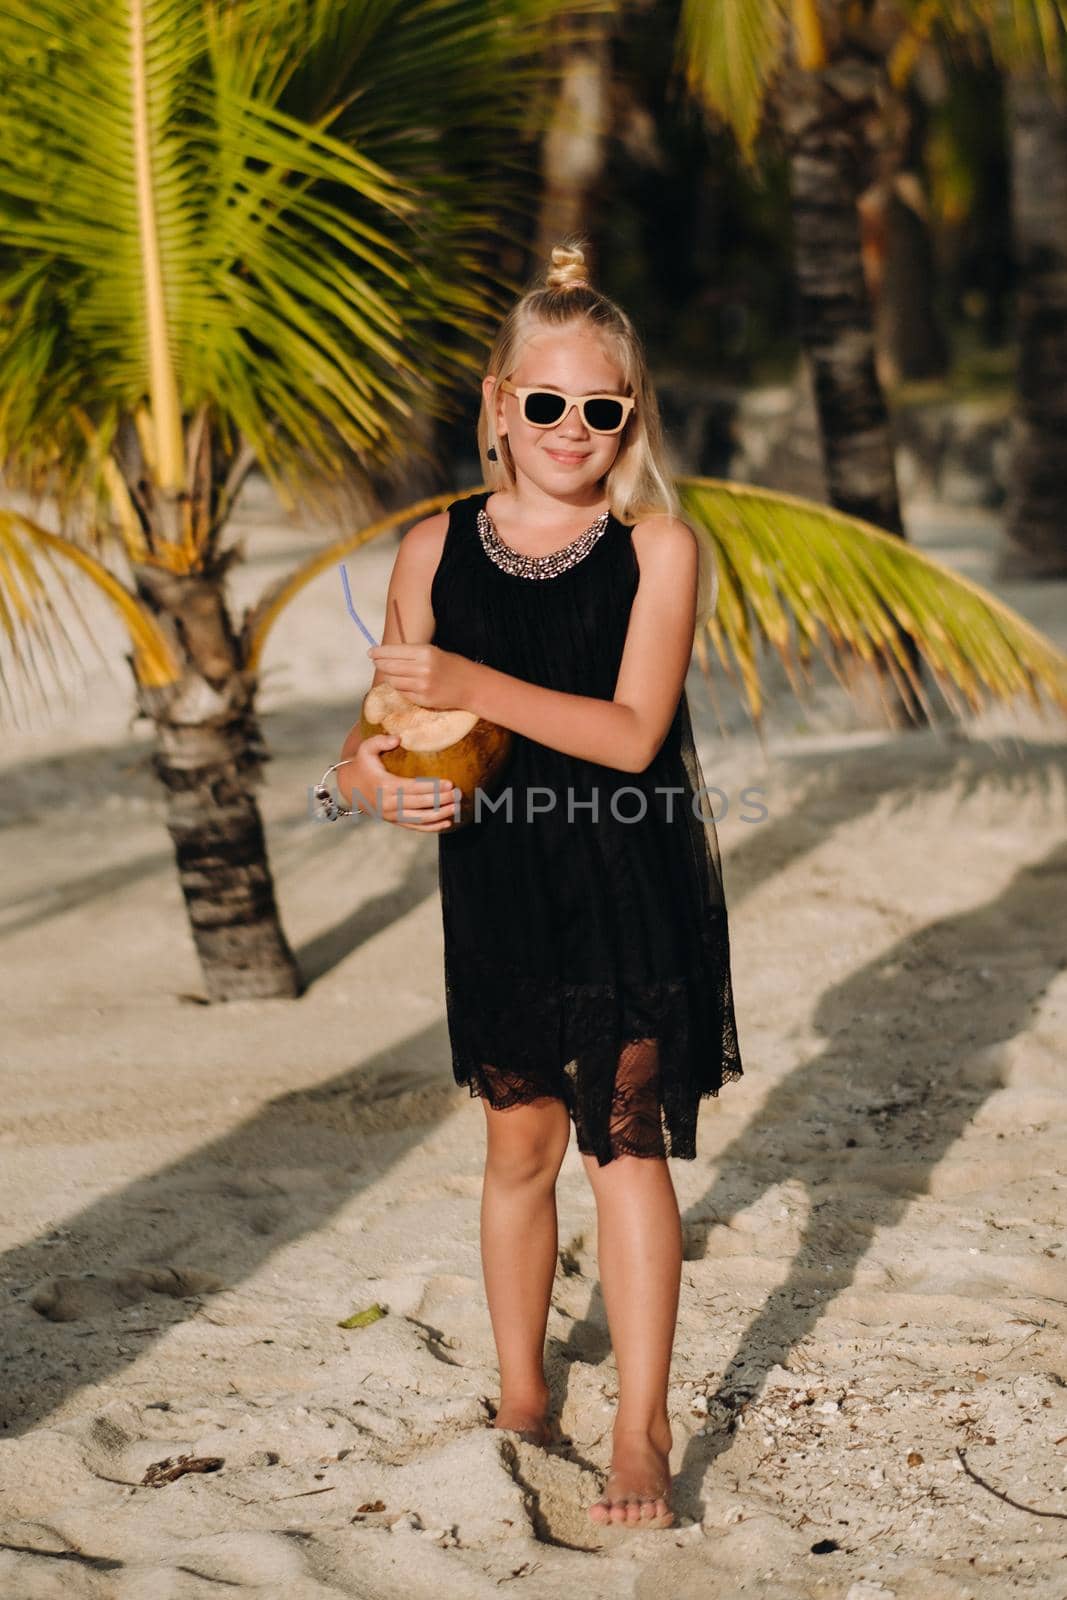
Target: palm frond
(804,577)
(728,50)
(1026,35)
(30,621)
(252,207)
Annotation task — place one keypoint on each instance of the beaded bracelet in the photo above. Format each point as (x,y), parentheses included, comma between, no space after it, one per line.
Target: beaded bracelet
(329,808)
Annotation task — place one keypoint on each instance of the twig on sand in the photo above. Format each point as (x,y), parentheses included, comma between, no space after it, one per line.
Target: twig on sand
(1035,1511)
(167,1471)
(1017,1346)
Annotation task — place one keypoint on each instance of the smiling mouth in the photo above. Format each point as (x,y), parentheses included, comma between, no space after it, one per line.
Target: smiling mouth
(568,455)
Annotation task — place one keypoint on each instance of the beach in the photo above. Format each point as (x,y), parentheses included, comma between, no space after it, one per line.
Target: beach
(869,1389)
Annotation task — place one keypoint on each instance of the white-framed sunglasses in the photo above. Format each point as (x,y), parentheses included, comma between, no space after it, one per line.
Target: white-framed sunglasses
(544,408)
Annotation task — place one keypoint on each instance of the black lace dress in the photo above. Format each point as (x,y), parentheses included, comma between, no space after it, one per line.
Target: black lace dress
(586,950)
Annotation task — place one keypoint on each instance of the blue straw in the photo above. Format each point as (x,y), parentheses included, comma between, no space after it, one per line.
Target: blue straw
(353,613)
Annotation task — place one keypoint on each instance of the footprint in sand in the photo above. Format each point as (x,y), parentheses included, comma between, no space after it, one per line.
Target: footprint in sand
(72,1299)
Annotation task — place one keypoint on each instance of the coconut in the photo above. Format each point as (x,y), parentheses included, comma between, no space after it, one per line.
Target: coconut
(459,747)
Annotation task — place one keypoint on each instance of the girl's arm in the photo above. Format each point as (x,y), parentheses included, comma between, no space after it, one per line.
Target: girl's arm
(409,585)
(627,731)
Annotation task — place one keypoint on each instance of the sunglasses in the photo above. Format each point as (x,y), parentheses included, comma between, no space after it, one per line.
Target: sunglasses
(543,408)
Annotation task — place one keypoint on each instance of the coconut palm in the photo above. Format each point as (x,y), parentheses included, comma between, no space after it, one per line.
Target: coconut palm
(1037,501)
(574,145)
(1028,45)
(824,73)
(233,234)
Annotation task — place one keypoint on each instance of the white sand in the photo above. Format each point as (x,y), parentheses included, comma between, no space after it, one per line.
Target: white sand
(875,1266)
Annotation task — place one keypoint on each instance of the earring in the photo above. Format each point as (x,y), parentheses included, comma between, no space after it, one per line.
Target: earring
(491,452)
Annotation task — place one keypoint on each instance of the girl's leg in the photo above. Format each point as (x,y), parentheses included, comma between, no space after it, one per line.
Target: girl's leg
(639,1249)
(639,1246)
(525,1146)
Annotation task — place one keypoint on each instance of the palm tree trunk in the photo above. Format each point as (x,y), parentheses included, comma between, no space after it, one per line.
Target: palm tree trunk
(1034,517)
(573,149)
(822,114)
(209,758)
(899,259)
(911,342)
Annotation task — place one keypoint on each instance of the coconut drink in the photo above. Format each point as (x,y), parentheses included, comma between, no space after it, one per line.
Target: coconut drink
(457,746)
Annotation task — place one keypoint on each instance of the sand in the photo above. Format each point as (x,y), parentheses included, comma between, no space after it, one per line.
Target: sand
(869,1395)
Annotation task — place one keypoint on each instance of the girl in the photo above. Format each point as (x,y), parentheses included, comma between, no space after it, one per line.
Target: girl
(587,969)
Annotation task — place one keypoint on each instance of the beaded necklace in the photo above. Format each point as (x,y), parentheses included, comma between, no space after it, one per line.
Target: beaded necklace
(548,566)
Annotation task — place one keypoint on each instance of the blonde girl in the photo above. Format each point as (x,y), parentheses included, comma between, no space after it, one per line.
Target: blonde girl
(587,967)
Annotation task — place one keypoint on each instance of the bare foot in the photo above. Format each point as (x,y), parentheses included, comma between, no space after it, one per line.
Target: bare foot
(528,1417)
(637,1492)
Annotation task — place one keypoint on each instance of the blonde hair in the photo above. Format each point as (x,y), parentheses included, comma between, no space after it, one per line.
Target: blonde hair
(639,481)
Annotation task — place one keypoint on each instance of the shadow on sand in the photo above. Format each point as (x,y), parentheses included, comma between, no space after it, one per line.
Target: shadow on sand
(923,1083)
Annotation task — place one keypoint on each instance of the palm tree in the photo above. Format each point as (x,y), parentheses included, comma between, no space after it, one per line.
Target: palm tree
(826,73)
(898,242)
(822,81)
(233,235)
(1026,45)
(573,146)
(1037,501)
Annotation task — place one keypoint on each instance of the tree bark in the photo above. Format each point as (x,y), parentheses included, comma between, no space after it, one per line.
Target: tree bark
(824,116)
(909,337)
(573,147)
(898,250)
(209,760)
(1036,541)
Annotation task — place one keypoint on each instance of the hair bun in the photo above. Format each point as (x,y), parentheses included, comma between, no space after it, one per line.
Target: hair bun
(567,268)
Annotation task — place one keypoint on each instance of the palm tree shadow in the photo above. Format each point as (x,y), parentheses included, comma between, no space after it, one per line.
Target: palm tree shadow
(225,1209)
(220,1208)
(336,943)
(303,735)
(910,1058)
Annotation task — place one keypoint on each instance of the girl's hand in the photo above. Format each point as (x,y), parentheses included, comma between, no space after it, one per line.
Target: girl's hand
(432,677)
(429,804)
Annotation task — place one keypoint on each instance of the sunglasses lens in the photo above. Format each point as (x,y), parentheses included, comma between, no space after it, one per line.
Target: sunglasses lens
(543,408)
(602,415)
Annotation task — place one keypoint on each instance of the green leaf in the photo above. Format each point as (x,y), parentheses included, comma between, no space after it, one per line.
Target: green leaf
(794,569)
(728,52)
(363,1319)
(270,209)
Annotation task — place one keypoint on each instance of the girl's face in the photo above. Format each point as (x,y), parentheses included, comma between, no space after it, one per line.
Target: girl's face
(568,459)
